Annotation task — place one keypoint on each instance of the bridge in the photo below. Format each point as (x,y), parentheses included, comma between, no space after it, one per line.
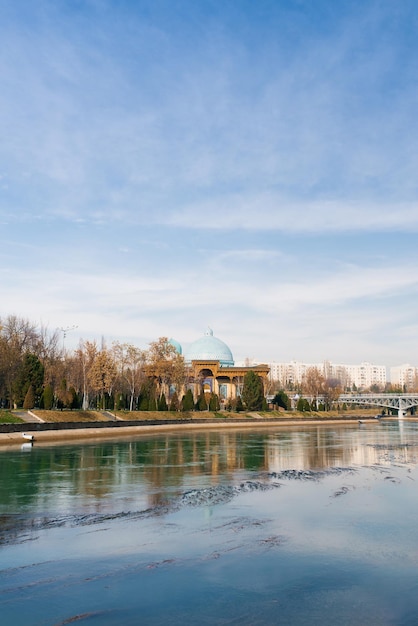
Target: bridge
(400,401)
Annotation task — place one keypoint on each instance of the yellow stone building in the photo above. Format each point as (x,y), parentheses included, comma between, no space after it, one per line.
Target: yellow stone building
(212,367)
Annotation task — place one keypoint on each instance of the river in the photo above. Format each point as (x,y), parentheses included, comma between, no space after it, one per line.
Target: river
(276,525)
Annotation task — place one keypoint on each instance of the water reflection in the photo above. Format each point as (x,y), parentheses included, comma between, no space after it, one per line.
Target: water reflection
(148,472)
(292,526)
(319,447)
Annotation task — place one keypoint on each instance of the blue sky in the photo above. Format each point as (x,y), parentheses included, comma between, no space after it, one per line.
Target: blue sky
(250,166)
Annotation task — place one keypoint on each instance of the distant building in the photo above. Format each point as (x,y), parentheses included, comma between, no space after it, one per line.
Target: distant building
(362,376)
(404,376)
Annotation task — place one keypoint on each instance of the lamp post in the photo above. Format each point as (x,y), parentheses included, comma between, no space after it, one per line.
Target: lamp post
(64,331)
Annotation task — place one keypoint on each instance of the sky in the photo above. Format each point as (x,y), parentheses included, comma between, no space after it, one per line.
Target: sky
(169,165)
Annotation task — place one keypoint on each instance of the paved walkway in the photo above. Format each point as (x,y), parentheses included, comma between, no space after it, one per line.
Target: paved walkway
(27,417)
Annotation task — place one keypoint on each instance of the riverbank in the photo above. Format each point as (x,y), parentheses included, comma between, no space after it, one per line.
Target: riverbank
(115,426)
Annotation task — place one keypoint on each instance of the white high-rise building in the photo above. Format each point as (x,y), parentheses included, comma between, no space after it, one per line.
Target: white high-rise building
(362,376)
(404,376)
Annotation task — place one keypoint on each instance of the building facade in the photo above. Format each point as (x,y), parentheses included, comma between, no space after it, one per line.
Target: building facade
(361,376)
(405,377)
(212,368)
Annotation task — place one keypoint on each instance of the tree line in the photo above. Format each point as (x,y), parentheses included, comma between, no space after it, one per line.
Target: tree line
(36,371)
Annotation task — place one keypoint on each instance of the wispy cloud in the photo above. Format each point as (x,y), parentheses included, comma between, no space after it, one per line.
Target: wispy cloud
(266,211)
(175,164)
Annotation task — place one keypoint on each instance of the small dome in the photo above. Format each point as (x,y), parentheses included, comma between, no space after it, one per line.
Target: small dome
(209,348)
(175,345)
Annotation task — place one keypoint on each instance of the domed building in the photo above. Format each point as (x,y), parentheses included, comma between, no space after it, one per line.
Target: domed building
(212,367)
(209,348)
(175,345)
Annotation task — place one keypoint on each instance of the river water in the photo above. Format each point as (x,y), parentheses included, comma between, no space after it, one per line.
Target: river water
(280,525)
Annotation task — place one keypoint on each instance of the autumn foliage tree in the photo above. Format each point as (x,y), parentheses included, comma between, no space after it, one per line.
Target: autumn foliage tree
(102,375)
(165,365)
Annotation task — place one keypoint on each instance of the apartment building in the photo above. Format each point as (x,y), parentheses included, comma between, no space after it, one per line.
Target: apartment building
(404,376)
(362,376)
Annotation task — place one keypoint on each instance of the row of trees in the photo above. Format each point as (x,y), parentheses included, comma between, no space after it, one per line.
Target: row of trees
(36,371)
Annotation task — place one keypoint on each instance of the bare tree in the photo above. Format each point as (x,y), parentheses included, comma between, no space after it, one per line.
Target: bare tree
(332,391)
(85,355)
(313,383)
(181,374)
(130,362)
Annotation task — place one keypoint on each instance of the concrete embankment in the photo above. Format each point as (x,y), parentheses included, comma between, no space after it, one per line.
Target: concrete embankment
(12,434)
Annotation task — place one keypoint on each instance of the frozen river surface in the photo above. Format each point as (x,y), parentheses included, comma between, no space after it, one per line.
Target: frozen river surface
(307,525)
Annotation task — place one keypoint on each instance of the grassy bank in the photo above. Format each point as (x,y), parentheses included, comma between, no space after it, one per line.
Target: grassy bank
(7,417)
(70,416)
(98,416)
(175,415)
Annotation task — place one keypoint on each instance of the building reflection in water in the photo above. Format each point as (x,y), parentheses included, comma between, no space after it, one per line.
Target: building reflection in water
(150,471)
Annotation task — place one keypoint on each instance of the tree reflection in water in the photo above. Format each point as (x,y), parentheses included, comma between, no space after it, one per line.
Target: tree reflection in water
(303,523)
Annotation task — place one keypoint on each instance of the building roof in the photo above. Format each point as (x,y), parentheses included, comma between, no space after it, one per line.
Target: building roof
(175,345)
(211,348)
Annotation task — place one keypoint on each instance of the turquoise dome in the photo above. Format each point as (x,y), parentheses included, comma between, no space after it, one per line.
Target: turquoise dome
(175,345)
(209,348)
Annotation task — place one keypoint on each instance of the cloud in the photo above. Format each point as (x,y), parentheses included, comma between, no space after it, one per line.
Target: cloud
(267,211)
(131,296)
(111,133)
(163,167)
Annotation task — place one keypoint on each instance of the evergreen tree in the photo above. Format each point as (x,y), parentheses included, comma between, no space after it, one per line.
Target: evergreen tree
(214,402)
(201,403)
(147,397)
(253,391)
(143,404)
(31,372)
(239,405)
(29,401)
(63,395)
(48,398)
(174,403)
(162,403)
(187,403)
(73,402)
(282,399)
(303,405)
